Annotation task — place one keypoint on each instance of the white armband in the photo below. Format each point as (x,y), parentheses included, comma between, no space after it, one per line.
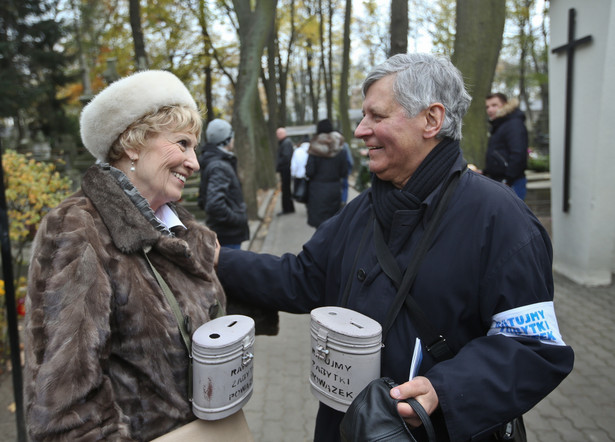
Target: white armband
(536,321)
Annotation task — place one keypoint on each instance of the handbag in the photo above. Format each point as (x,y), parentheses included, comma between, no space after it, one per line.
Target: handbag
(300,191)
(373,416)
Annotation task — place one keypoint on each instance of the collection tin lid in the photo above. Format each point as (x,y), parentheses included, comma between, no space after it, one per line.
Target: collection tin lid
(346,322)
(223,331)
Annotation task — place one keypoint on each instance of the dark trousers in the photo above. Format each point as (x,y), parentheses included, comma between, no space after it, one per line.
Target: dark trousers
(287,196)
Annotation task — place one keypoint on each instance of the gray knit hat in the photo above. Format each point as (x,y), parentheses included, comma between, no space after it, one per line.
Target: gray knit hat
(125,101)
(219,132)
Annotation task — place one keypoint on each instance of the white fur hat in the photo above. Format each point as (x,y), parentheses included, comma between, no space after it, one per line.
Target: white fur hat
(123,102)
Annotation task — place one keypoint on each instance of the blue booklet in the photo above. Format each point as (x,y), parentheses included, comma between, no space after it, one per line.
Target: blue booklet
(417,358)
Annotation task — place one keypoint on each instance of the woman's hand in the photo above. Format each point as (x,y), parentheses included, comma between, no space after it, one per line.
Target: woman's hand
(419,388)
(216,254)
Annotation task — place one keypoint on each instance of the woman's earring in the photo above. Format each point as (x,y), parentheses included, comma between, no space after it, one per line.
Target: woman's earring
(132,165)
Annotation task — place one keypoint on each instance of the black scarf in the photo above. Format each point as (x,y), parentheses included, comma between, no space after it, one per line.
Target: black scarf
(387,199)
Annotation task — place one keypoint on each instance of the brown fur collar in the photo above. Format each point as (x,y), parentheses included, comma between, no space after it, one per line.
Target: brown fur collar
(326,145)
(129,229)
(508,108)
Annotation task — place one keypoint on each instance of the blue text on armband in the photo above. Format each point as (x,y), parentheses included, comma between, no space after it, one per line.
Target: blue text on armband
(536,321)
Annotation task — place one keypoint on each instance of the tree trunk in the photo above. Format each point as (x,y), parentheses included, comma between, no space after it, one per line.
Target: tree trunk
(323,57)
(478,42)
(137,35)
(343,99)
(313,88)
(399,27)
(284,68)
(269,80)
(525,38)
(540,65)
(254,27)
(300,94)
(266,150)
(209,97)
(87,94)
(329,73)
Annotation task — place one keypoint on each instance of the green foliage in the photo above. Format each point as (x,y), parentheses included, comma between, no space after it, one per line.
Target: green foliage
(32,65)
(538,162)
(440,16)
(32,189)
(524,57)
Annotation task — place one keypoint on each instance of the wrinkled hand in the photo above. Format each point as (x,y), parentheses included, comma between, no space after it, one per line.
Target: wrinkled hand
(419,388)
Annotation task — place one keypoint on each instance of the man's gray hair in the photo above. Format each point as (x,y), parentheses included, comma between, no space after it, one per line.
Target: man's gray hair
(424,79)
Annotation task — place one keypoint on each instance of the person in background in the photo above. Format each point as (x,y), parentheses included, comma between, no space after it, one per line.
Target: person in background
(220,193)
(345,183)
(506,158)
(298,163)
(485,283)
(285,153)
(327,165)
(104,357)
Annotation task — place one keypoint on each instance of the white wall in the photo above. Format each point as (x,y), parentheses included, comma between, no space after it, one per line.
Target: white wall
(584,238)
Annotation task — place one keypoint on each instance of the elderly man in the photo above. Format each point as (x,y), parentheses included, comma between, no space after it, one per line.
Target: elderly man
(482,283)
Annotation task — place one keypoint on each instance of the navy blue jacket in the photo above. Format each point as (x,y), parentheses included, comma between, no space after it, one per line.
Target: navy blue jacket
(490,256)
(506,156)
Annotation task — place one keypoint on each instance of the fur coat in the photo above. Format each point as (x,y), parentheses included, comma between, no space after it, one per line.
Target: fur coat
(104,358)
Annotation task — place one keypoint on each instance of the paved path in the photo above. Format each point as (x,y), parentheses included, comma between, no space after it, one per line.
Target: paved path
(282,407)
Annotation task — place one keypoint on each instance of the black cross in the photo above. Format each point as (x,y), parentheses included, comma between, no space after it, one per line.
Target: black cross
(568,48)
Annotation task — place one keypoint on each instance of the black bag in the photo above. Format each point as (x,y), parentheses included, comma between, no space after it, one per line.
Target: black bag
(373,416)
(300,193)
(513,431)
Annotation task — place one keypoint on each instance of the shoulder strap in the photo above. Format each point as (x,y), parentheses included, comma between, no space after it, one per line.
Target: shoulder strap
(183,322)
(434,342)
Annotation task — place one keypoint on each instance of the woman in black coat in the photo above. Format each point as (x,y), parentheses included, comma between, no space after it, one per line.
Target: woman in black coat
(326,167)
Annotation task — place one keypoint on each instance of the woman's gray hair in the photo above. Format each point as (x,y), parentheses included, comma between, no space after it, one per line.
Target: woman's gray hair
(424,79)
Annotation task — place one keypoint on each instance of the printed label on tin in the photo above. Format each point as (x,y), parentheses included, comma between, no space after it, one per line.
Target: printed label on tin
(332,376)
(241,381)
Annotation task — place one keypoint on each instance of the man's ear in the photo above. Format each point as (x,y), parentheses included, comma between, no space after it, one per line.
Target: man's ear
(434,116)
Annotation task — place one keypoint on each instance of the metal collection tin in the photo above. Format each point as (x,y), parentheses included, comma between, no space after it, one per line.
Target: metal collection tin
(222,352)
(345,354)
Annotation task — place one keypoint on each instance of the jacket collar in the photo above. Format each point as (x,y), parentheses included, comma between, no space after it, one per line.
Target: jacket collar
(130,230)
(507,109)
(326,145)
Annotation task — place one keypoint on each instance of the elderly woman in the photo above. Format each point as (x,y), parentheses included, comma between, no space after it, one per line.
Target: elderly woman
(105,358)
